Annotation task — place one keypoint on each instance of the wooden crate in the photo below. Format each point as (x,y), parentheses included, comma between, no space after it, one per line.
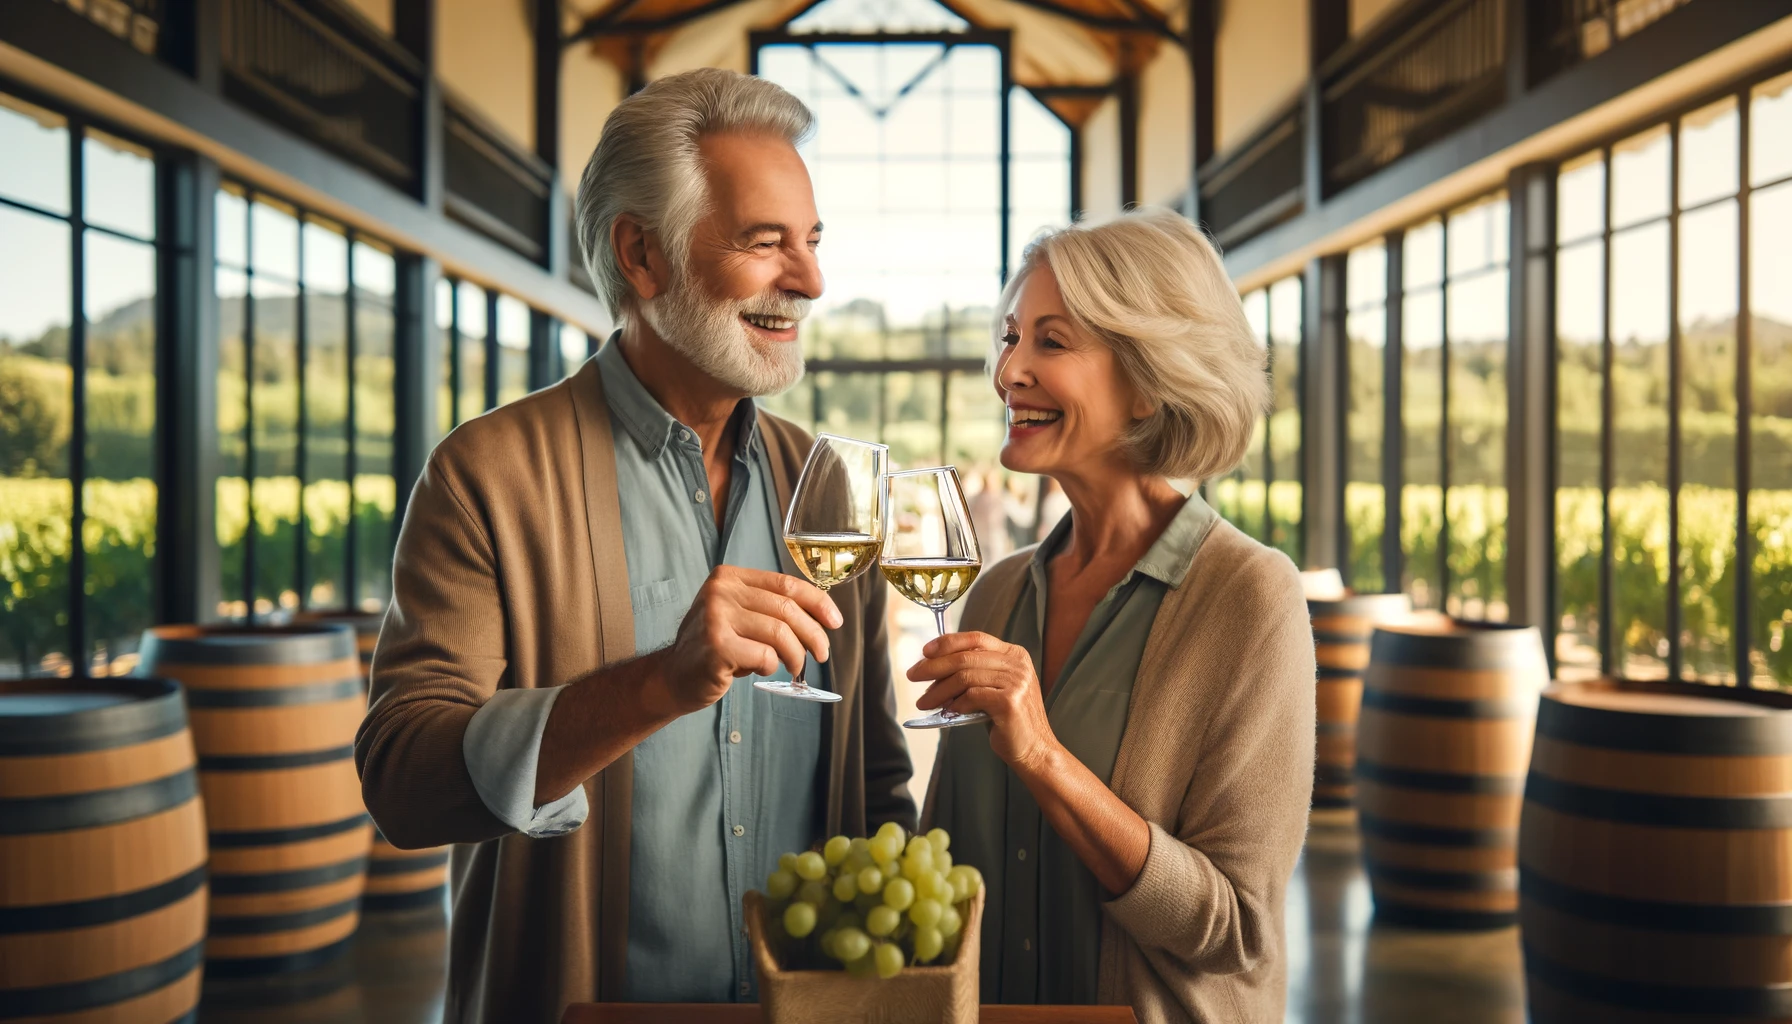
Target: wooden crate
(942,994)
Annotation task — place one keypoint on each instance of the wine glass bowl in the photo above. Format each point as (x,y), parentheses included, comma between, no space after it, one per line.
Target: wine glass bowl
(834,527)
(930,553)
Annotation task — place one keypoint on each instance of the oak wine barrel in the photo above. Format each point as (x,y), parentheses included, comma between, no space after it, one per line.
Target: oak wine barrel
(274,712)
(102,852)
(1341,630)
(396,879)
(1442,748)
(1655,855)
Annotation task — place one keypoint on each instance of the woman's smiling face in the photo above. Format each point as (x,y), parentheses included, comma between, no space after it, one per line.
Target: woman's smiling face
(1069,403)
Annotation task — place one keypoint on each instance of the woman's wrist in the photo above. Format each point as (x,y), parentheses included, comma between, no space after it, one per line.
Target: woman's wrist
(1038,763)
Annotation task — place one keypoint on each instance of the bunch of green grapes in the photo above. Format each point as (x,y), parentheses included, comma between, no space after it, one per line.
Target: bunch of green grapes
(875,905)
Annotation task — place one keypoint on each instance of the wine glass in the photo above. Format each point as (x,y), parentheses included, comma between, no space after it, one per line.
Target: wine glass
(834,528)
(930,554)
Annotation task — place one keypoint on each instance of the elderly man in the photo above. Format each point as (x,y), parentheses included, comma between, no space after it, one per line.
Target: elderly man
(590,578)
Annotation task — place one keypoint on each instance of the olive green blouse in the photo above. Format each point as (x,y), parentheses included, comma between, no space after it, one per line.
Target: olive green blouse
(1042,917)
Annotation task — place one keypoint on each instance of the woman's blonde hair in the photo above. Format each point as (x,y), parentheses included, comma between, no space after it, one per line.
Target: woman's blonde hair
(1151,286)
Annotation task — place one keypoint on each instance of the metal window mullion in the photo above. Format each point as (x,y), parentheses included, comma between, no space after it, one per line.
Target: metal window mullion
(351,538)
(1006,103)
(454,381)
(1393,458)
(301,449)
(1676,656)
(1443,418)
(77,443)
(1608,660)
(1742,629)
(249,404)
(492,348)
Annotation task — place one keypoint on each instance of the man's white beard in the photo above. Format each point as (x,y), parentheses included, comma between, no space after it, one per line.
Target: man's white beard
(711,334)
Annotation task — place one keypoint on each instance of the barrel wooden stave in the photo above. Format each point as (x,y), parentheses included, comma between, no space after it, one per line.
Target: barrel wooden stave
(1443,741)
(1657,869)
(1341,630)
(103,896)
(275,712)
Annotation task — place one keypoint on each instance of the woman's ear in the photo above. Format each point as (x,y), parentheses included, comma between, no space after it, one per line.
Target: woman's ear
(638,256)
(1143,408)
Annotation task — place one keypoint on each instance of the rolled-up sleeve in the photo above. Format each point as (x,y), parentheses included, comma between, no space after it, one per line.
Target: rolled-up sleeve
(502,747)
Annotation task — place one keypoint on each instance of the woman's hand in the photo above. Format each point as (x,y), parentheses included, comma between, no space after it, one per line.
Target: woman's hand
(977,672)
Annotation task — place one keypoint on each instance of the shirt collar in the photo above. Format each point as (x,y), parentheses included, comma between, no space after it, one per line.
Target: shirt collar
(1169,557)
(645,420)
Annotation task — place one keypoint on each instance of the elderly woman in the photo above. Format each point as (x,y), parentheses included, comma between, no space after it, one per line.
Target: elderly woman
(1138,799)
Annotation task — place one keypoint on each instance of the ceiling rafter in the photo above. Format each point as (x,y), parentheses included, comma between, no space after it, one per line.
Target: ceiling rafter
(613,19)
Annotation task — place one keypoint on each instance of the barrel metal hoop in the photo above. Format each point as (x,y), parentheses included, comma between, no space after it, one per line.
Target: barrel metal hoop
(1655,915)
(1429,835)
(45,917)
(1500,880)
(1743,736)
(1438,782)
(392,901)
(1409,915)
(1431,707)
(280,696)
(288,963)
(1657,809)
(262,924)
(249,646)
(286,881)
(406,865)
(92,993)
(1704,1001)
(274,762)
(1494,648)
(1334,672)
(65,812)
(84,731)
(1329,636)
(279,836)
(1335,728)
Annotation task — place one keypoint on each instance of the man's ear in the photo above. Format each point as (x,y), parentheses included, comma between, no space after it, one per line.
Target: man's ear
(638,256)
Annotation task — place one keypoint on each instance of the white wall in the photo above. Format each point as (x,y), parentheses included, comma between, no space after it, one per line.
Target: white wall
(1260,64)
(1166,126)
(485,52)
(590,87)
(1101,161)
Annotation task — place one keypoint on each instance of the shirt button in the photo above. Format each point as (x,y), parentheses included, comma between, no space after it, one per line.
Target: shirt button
(740,830)
(1023,855)
(734,737)
(1027,944)
(700,497)
(684,435)
(743,988)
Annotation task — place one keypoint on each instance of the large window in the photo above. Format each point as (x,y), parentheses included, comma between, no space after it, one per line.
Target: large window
(1263,496)
(1365,416)
(910,145)
(77,394)
(486,338)
(305,496)
(1674,415)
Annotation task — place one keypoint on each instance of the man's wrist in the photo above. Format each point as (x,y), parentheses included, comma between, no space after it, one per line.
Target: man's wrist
(1038,763)
(653,697)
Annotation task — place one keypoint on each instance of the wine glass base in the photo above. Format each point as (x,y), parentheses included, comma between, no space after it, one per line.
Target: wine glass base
(945,720)
(800,691)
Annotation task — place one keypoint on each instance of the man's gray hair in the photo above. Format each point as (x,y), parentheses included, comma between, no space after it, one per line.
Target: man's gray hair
(646,163)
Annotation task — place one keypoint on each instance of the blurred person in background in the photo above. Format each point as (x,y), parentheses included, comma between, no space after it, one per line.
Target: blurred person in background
(1138,799)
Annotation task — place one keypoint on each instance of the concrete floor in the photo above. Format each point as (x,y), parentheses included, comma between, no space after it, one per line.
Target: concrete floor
(1342,968)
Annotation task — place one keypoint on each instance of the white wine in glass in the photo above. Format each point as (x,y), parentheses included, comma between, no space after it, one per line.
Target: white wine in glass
(930,554)
(834,528)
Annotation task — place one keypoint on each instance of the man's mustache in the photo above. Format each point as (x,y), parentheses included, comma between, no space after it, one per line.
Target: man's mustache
(782,305)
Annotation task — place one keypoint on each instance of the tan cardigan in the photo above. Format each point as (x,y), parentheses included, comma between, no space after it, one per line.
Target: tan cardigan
(510,571)
(1218,757)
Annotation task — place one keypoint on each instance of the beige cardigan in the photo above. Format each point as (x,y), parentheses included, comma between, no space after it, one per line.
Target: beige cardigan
(1218,757)
(510,571)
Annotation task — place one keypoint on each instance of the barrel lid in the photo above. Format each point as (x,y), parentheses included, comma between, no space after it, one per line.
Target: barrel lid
(1372,606)
(1603,714)
(300,643)
(1436,641)
(51,715)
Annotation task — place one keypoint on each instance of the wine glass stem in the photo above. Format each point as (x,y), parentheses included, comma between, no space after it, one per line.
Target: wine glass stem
(939,619)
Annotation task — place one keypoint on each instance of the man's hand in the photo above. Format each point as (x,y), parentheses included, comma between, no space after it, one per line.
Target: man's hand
(743,622)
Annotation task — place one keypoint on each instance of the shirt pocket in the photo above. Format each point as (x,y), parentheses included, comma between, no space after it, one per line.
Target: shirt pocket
(658,611)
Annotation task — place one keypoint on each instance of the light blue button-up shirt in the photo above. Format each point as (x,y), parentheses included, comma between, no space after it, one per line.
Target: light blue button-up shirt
(718,794)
